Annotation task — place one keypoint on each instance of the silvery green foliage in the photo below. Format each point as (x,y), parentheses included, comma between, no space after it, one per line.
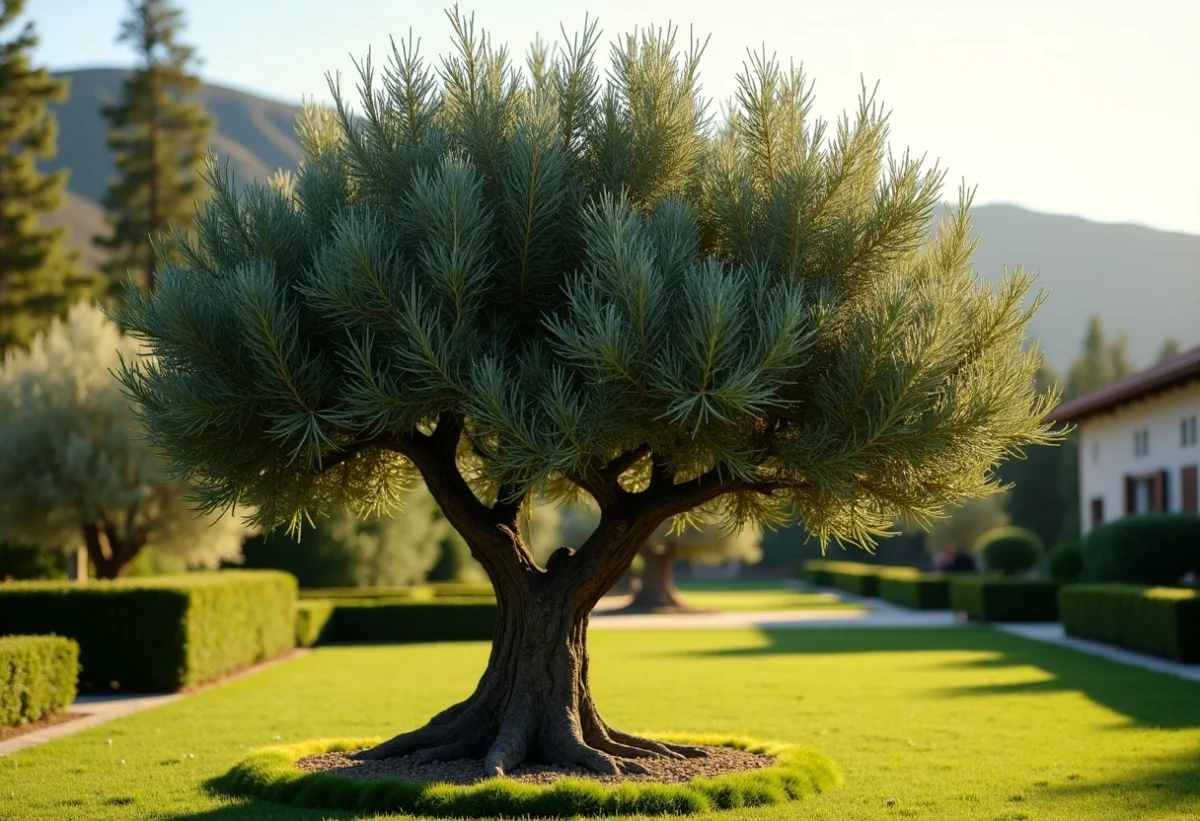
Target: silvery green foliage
(69,455)
(578,264)
(395,550)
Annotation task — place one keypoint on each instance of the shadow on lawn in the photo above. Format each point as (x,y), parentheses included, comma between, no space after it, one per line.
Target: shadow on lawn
(257,810)
(1171,702)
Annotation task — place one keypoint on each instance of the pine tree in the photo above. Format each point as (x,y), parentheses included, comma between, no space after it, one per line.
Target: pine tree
(39,278)
(1099,362)
(1170,349)
(158,140)
(519,285)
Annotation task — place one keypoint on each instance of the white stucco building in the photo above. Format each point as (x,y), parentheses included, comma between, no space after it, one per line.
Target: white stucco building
(1139,446)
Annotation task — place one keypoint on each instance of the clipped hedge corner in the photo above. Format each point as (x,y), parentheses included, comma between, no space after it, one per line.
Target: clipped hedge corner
(271,774)
(996,598)
(38,676)
(160,633)
(854,577)
(1161,621)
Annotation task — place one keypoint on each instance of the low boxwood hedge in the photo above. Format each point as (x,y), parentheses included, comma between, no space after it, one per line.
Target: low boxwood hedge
(390,620)
(1001,598)
(912,588)
(854,577)
(420,592)
(271,774)
(1150,548)
(38,676)
(160,633)
(1161,621)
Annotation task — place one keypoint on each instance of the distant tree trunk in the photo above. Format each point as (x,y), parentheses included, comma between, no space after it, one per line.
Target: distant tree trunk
(111,554)
(658,593)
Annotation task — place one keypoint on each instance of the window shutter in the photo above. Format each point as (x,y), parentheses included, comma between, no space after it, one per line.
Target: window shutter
(1188,491)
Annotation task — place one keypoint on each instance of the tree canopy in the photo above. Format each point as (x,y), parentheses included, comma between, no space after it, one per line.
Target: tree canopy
(579,278)
(157,137)
(39,277)
(73,471)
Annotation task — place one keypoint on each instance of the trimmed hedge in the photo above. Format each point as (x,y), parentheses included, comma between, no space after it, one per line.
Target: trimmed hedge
(1161,621)
(912,588)
(38,676)
(389,620)
(997,598)
(1009,550)
(854,577)
(1065,562)
(161,633)
(1153,548)
(271,774)
(420,592)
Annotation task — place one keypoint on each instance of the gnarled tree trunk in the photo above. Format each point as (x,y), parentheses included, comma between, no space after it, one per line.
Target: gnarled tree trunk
(111,553)
(534,701)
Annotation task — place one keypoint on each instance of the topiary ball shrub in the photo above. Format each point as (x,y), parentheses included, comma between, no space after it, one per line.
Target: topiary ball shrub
(272,774)
(1009,550)
(1065,562)
(1152,548)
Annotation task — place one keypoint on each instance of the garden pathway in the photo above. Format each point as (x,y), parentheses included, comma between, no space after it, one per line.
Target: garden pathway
(99,709)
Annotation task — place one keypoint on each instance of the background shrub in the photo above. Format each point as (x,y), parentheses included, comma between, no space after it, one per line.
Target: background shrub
(1163,621)
(1065,562)
(912,588)
(160,633)
(1153,548)
(38,676)
(1010,550)
(985,598)
(363,619)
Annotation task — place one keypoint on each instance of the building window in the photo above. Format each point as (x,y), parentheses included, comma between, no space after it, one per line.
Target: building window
(1187,431)
(1095,451)
(1141,442)
(1097,511)
(1189,489)
(1147,493)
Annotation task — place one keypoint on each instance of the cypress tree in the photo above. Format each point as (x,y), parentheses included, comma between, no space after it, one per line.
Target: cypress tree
(39,277)
(560,283)
(158,140)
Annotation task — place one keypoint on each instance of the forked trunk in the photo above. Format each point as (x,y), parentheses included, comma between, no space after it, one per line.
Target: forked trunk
(658,593)
(534,702)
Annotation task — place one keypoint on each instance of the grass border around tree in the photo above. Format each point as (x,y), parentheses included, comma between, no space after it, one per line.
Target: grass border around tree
(270,774)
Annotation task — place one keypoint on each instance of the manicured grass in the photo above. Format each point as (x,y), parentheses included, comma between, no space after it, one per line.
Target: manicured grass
(755,595)
(961,724)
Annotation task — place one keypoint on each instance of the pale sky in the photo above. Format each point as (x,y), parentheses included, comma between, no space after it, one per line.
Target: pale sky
(1085,107)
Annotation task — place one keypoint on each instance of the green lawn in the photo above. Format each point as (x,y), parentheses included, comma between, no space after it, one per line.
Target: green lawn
(953,724)
(764,595)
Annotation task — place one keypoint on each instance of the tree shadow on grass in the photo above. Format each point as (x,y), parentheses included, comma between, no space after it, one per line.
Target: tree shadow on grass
(1146,698)
(259,810)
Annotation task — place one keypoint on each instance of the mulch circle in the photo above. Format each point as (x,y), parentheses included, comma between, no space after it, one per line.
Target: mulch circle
(465,771)
(12,731)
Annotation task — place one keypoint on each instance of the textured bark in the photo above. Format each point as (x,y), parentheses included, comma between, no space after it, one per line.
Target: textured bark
(534,701)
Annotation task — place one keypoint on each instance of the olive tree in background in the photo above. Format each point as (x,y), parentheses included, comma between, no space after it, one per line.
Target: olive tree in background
(73,471)
(557,282)
(700,542)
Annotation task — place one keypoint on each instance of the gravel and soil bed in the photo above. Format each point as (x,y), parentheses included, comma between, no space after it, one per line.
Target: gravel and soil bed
(465,771)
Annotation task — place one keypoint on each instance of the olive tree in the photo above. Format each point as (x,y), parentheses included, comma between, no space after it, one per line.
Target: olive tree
(74,471)
(699,542)
(550,283)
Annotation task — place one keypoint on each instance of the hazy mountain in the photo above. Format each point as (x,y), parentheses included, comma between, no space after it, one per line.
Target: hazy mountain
(1140,280)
